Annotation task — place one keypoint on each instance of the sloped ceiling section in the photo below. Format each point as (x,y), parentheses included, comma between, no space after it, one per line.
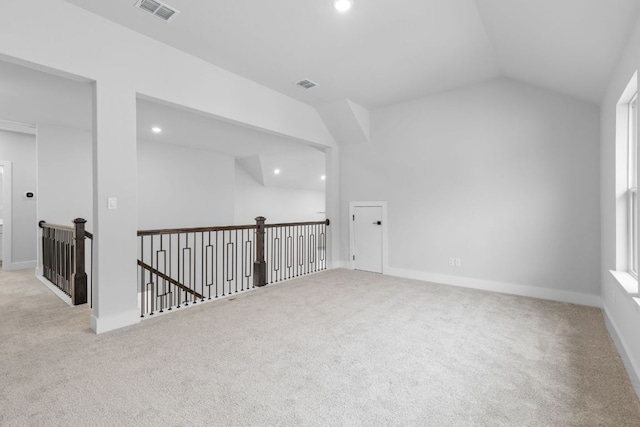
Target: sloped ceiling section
(382,52)
(300,168)
(347,121)
(379,53)
(253,167)
(569,46)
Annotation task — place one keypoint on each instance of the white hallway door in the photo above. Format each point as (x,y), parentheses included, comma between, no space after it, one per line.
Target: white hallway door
(367,236)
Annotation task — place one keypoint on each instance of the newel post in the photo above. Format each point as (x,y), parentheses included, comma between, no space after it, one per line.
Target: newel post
(79,277)
(260,266)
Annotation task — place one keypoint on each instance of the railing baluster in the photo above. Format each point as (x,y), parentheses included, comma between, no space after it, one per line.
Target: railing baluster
(236,258)
(203,265)
(151,281)
(178,259)
(173,291)
(224,264)
(216,270)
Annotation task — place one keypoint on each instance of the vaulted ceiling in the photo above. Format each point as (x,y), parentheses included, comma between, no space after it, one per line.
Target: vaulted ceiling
(383,52)
(378,54)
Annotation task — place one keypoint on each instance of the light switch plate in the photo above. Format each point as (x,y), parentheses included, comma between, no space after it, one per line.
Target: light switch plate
(112,203)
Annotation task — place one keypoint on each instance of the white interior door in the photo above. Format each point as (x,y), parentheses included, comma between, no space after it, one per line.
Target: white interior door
(367,238)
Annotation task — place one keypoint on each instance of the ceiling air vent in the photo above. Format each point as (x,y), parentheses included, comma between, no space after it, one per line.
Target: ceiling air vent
(157,9)
(307,84)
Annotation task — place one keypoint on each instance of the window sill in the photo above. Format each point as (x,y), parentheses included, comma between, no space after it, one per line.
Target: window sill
(627,281)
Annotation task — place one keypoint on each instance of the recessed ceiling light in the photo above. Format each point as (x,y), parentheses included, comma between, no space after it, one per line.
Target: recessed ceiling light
(323,177)
(342,5)
(276,171)
(156,129)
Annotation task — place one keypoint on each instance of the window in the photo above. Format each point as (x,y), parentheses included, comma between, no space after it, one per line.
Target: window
(626,189)
(632,186)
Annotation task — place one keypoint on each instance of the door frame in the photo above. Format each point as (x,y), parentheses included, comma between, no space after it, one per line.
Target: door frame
(7,262)
(385,249)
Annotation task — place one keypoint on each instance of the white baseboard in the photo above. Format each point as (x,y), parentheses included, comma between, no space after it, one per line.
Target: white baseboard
(53,288)
(505,288)
(108,323)
(23,265)
(338,264)
(632,369)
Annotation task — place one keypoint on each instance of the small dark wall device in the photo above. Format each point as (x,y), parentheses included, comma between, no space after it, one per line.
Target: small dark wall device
(29,195)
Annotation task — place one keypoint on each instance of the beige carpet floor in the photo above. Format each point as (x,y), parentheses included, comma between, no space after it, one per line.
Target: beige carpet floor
(338,348)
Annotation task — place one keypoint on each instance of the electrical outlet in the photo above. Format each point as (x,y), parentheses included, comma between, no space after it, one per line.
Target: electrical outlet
(452,262)
(458,262)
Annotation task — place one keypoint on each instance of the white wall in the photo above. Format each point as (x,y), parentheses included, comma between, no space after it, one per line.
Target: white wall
(183,187)
(501,175)
(1,193)
(274,203)
(20,150)
(622,312)
(65,181)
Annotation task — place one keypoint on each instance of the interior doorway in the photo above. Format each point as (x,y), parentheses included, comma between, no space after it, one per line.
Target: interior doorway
(367,232)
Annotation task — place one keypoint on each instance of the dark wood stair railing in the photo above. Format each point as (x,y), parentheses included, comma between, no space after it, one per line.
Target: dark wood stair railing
(183,266)
(63,258)
(169,279)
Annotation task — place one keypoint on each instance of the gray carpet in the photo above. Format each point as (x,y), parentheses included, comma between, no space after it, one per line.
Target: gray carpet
(336,348)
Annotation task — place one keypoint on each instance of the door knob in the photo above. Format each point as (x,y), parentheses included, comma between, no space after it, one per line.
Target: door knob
(377,222)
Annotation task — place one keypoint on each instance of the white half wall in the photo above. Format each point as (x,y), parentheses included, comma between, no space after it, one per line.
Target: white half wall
(20,150)
(183,187)
(276,204)
(501,175)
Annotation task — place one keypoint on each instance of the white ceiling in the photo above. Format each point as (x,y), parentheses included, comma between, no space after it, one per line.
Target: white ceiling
(300,164)
(189,128)
(298,167)
(382,52)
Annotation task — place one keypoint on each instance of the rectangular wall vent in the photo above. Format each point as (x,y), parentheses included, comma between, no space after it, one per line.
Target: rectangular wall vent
(307,84)
(157,9)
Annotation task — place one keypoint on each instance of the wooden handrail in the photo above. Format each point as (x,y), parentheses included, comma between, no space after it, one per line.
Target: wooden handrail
(43,224)
(224,228)
(194,229)
(169,279)
(291,224)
